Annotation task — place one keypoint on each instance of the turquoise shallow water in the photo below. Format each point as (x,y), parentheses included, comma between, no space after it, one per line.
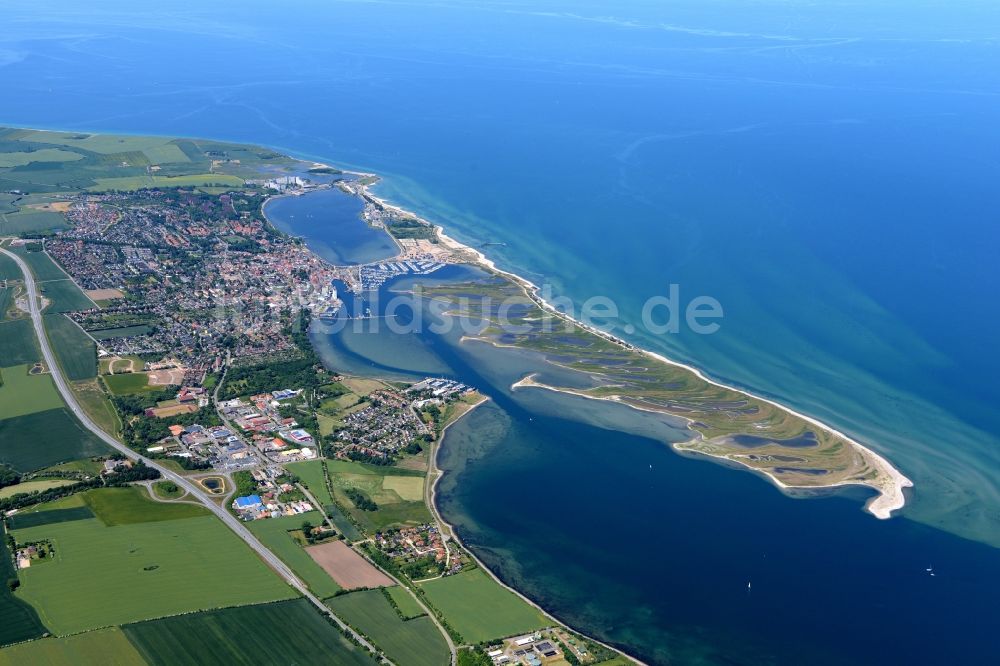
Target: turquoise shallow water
(826,172)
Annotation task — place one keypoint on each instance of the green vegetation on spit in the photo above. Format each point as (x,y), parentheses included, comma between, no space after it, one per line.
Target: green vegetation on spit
(262,634)
(724,423)
(416,642)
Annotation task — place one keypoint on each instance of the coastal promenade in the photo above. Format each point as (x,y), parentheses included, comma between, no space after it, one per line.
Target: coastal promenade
(228,519)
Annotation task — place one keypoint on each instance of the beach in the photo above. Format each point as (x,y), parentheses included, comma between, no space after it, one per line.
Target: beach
(890,481)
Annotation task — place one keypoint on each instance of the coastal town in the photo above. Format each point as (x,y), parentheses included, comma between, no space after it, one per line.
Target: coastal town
(197,313)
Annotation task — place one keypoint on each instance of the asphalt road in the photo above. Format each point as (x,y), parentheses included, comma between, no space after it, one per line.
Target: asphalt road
(231,521)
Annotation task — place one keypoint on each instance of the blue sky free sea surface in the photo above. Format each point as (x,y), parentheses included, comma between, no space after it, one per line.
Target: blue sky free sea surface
(827,172)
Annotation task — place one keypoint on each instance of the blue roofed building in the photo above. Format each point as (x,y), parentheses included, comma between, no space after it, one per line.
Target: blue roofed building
(248,503)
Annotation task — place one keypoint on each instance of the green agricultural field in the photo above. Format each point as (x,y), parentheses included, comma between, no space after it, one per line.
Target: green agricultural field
(64,439)
(102,576)
(311,475)
(76,352)
(105,144)
(133,382)
(43,155)
(362,386)
(64,296)
(9,269)
(327,424)
(31,221)
(40,263)
(416,642)
(289,632)
(6,300)
(478,608)
(273,533)
(22,393)
(371,480)
(49,162)
(34,486)
(87,466)
(96,404)
(407,605)
(18,620)
(105,647)
(165,154)
(18,343)
(127,506)
(129,183)
(409,488)
(64,510)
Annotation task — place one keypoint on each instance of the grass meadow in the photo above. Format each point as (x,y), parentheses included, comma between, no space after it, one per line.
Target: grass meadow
(132,382)
(407,605)
(95,402)
(132,504)
(398,493)
(478,608)
(311,475)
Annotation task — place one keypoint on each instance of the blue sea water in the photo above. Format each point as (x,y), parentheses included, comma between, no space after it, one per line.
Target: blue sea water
(828,172)
(331,219)
(583,507)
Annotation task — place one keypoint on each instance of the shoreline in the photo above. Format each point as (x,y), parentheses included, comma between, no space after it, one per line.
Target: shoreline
(434,472)
(881,506)
(529,382)
(438,474)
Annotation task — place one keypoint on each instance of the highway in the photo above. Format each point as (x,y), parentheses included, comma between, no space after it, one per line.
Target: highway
(230,521)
